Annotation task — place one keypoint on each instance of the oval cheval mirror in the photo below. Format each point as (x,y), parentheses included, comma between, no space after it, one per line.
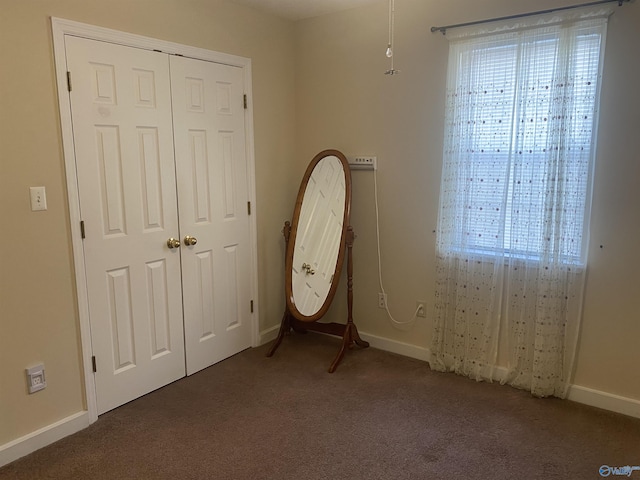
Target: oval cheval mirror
(317,241)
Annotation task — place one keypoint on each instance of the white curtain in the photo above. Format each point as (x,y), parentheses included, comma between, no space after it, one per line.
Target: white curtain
(522,108)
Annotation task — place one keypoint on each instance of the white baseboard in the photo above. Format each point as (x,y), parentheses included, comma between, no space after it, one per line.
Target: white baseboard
(406,349)
(604,400)
(268,335)
(41,438)
(577,393)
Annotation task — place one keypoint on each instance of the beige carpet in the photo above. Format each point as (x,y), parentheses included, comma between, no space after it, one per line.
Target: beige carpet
(380,416)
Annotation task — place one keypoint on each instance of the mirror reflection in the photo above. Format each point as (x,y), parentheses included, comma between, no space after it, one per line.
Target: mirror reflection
(318,237)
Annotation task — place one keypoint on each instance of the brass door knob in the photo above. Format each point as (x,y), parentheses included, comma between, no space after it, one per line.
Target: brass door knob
(190,241)
(173,243)
(308,269)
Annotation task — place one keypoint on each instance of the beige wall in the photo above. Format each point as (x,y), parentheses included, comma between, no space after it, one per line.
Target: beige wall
(38,312)
(344,101)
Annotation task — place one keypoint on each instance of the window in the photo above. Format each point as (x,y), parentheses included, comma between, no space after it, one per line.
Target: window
(519,143)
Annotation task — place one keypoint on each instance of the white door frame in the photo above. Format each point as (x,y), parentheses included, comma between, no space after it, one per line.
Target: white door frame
(62,27)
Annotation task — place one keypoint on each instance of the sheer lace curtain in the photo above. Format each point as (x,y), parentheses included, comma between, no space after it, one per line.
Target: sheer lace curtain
(522,108)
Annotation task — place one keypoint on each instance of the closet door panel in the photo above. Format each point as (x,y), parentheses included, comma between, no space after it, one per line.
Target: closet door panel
(122,132)
(211,166)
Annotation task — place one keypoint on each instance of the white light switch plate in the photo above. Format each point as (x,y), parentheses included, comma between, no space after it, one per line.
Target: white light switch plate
(38,198)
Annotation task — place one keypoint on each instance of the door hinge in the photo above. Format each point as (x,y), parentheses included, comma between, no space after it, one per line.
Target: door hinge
(248,208)
(93,363)
(68,80)
(82,229)
(245,100)
(251,306)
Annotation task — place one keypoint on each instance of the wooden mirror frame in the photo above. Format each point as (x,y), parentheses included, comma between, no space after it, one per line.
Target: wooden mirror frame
(293,318)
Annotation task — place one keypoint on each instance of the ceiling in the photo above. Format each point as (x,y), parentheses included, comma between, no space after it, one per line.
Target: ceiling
(299,9)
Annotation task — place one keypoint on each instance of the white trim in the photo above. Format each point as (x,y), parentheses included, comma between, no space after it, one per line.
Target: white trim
(33,441)
(251,188)
(607,401)
(406,349)
(61,28)
(266,336)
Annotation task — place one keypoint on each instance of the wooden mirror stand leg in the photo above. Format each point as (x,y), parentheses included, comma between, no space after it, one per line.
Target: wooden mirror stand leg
(348,332)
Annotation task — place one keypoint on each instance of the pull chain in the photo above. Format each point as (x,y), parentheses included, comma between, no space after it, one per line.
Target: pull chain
(389,52)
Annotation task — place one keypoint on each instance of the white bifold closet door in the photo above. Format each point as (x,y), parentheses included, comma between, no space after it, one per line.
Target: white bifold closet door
(160,153)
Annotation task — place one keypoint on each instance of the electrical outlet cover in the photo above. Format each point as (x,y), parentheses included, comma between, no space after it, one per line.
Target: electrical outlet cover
(36,380)
(382,300)
(363,162)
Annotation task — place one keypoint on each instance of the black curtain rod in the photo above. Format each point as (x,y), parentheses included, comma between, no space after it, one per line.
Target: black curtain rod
(510,17)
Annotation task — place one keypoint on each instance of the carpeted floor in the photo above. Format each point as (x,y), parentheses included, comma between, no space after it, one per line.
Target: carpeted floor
(380,416)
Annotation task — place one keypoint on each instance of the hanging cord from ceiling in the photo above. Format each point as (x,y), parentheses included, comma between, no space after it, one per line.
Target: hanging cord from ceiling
(390,44)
